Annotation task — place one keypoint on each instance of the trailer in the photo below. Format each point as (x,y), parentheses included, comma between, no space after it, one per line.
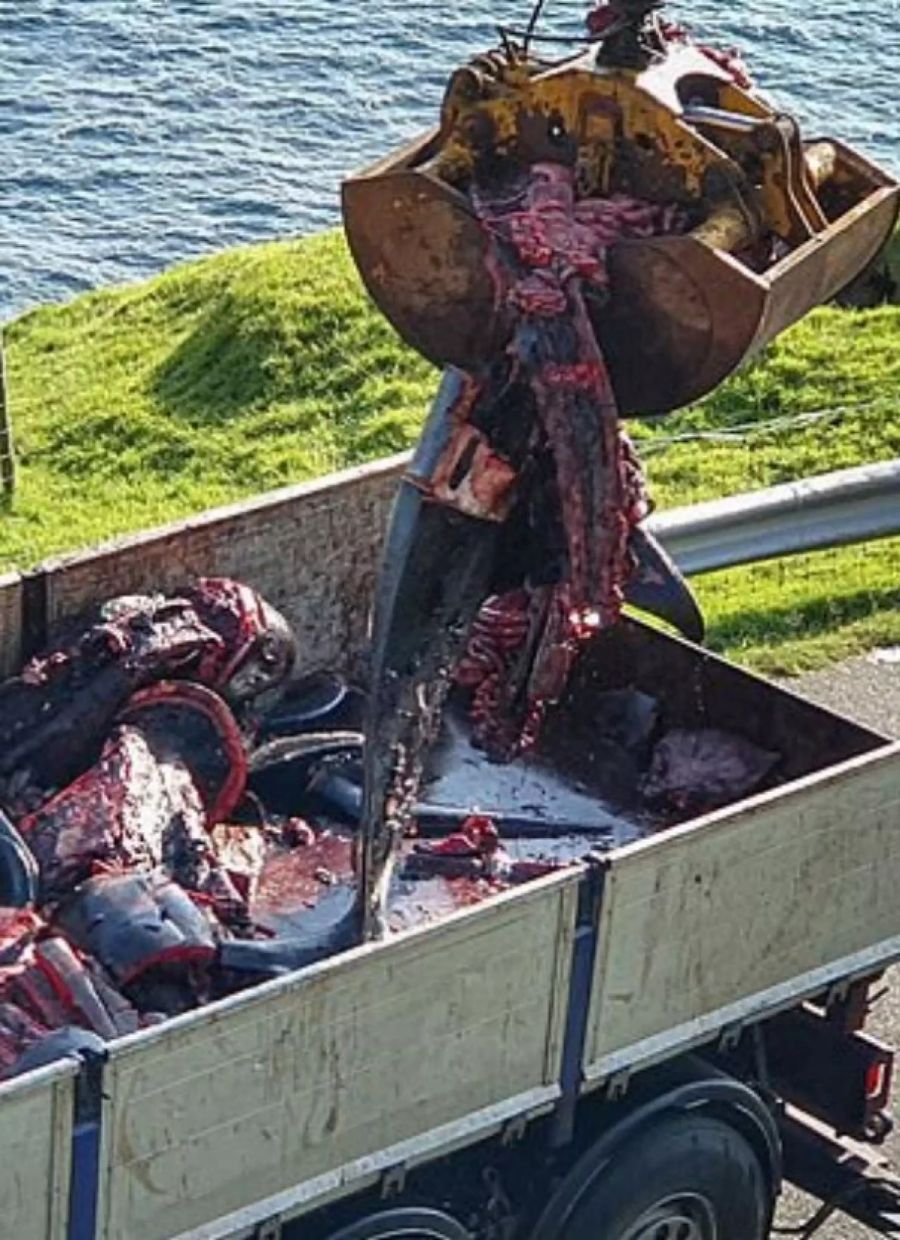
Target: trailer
(651,1038)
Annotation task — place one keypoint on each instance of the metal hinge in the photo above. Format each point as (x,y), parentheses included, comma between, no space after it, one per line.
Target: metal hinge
(393,1182)
(618,1086)
(730,1038)
(514,1130)
(270,1229)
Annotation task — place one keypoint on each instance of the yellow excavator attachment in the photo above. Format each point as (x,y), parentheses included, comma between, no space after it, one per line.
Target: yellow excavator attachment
(781,225)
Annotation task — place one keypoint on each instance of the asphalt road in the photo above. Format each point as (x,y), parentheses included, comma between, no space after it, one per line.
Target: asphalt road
(867,690)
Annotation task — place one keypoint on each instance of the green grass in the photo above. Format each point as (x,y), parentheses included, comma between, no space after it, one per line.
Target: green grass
(221,378)
(267,365)
(790,616)
(841,370)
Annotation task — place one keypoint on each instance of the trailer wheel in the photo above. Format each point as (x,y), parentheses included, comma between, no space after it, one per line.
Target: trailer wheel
(689,1177)
(404,1223)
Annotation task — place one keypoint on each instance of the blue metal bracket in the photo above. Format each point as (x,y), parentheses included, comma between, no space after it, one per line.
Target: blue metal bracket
(84,1185)
(584,956)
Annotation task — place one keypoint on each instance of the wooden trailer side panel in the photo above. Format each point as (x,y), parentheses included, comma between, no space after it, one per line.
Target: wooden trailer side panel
(35,1154)
(745,910)
(312,550)
(312,1080)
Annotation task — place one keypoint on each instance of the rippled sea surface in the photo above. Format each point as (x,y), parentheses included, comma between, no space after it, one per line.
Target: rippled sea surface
(135,133)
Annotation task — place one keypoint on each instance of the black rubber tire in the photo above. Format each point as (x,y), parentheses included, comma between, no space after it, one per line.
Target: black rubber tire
(403,1223)
(695,1155)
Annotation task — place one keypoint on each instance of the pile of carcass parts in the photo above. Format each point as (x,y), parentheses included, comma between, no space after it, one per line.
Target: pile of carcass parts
(550,249)
(174,833)
(152,852)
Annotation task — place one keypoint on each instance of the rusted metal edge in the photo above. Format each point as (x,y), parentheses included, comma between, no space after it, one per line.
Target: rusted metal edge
(268,501)
(36,585)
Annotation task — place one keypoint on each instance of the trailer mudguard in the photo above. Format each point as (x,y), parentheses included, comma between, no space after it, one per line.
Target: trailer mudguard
(684,1084)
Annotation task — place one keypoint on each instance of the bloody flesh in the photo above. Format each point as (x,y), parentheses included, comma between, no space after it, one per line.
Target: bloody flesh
(549,252)
(149,900)
(524,491)
(111,781)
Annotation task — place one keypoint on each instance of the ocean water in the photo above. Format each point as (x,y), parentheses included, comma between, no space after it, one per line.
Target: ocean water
(136,133)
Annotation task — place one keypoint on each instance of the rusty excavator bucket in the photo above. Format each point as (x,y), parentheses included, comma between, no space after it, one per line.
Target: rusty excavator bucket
(774,225)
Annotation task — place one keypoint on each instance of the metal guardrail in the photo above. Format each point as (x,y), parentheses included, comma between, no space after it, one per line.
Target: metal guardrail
(830,510)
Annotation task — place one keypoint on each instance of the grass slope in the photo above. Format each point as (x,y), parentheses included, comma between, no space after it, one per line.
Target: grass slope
(267,365)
